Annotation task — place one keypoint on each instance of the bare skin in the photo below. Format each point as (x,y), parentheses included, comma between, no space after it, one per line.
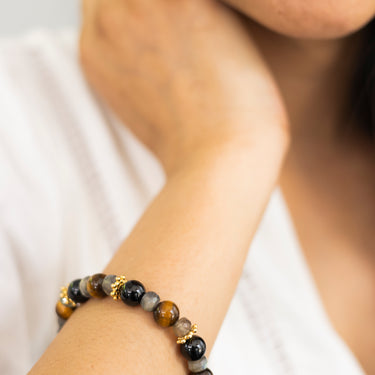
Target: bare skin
(330,195)
(319,172)
(328,181)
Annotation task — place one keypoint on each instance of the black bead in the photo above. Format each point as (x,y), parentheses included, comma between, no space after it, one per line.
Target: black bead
(74,293)
(194,348)
(132,293)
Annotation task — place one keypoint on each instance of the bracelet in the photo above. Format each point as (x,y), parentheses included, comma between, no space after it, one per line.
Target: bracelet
(133,293)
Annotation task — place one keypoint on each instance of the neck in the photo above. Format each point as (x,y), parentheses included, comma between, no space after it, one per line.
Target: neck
(314,78)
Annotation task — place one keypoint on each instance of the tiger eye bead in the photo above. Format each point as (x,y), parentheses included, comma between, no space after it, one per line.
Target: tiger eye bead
(74,292)
(95,285)
(204,372)
(63,311)
(166,314)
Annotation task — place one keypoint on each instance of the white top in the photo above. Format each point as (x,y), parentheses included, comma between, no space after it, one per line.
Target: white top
(74,181)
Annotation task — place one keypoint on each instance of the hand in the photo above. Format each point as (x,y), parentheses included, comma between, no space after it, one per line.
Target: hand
(183,75)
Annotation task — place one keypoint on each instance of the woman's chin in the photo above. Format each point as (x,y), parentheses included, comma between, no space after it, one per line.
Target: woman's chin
(312,28)
(318,19)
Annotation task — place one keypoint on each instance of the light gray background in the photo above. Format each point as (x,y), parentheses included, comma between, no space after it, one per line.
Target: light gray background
(19,16)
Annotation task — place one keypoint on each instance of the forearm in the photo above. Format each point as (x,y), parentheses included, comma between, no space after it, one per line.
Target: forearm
(190,247)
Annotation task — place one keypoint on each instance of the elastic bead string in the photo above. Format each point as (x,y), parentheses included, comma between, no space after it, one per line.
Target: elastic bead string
(133,293)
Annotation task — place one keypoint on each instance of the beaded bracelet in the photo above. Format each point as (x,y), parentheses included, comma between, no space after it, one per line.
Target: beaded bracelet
(133,293)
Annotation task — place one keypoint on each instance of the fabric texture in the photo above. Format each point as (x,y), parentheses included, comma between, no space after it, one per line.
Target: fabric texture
(74,181)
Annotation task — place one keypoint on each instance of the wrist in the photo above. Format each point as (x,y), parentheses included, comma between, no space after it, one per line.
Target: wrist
(232,152)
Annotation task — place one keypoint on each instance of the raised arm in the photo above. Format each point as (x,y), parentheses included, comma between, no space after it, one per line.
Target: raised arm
(187,79)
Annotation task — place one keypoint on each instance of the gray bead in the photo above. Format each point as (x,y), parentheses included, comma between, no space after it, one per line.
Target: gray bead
(197,366)
(149,301)
(107,282)
(83,287)
(60,322)
(182,327)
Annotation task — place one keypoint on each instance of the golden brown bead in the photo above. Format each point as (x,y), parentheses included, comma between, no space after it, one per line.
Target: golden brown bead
(94,285)
(63,311)
(166,314)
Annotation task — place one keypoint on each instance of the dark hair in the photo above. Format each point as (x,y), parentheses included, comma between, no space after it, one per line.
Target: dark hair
(363,89)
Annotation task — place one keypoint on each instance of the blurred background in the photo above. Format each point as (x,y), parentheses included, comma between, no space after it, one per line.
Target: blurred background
(20,16)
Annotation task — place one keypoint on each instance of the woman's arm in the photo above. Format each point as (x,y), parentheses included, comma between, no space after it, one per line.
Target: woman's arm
(186,78)
(189,246)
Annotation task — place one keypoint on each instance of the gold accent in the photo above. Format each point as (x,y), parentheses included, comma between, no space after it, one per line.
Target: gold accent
(192,332)
(65,300)
(117,285)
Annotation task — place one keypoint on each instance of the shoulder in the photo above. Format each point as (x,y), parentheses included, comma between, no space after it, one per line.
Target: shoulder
(39,79)
(46,108)
(62,152)
(37,44)
(73,181)
(25,59)
(36,68)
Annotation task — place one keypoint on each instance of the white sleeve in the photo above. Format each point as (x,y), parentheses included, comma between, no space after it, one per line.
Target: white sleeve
(25,234)
(72,185)
(14,350)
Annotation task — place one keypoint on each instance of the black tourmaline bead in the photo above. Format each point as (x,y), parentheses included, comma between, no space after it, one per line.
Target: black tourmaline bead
(194,348)
(204,372)
(132,293)
(74,292)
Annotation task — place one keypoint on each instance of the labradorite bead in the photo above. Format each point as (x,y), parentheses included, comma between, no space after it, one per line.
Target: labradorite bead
(94,285)
(63,311)
(74,292)
(107,284)
(182,327)
(149,301)
(83,287)
(60,322)
(204,372)
(194,349)
(166,314)
(197,366)
(132,293)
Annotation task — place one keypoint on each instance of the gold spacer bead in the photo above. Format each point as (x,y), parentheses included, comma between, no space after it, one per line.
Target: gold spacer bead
(117,285)
(64,295)
(192,332)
